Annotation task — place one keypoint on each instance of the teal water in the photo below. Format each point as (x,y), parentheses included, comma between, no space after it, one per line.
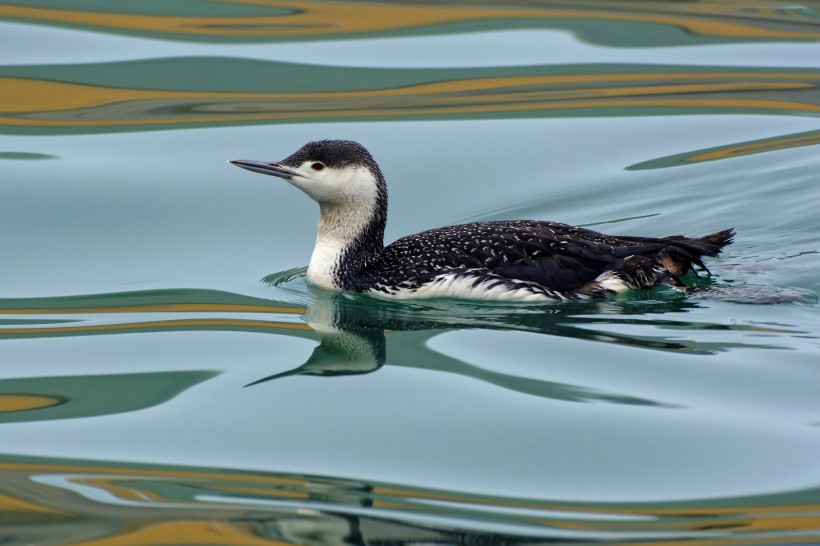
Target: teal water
(168,377)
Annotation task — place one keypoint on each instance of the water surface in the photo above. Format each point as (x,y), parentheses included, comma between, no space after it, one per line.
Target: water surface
(167,375)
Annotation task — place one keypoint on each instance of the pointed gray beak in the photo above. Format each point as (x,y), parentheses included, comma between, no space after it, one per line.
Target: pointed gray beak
(264,168)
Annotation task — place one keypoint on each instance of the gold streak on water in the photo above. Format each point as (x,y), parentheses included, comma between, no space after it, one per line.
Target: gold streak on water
(150,472)
(184,532)
(22,402)
(135,484)
(307,19)
(30,102)
(756,147)
(312,18)
(258,484)
(159,308)
(13,505)
(185,323)
(27,95)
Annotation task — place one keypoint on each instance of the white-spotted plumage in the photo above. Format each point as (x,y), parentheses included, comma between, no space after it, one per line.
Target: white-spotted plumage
(520,260)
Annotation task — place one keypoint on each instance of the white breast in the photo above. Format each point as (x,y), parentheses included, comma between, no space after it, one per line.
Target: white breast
(325,257)
(464,287)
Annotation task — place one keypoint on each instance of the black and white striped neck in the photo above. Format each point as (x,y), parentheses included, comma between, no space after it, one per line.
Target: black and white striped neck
(345,180)
(349,237)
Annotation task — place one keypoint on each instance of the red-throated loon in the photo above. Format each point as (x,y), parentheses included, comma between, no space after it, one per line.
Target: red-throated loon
(524,260)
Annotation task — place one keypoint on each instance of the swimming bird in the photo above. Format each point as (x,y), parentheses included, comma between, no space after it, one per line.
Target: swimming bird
(522,260)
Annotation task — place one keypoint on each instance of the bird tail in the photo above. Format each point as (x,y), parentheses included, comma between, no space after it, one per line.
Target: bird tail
(684,252)
(665,266)
(711,245)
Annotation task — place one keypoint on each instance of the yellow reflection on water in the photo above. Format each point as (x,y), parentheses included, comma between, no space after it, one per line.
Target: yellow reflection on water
(185,532)
(300,19)
(770,144)
(99,307)
(21,402)
(11,504)
(158,308)
(200,506)
(42,103)
(156,325)
(767,145)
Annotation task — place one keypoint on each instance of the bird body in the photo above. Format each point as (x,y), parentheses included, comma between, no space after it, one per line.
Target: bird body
(522,260)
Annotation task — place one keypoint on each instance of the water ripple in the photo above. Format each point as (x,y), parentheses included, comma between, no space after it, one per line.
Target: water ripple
(87,99)
(130,503)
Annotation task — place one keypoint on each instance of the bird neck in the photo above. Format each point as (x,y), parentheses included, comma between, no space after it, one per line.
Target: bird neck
(349,236)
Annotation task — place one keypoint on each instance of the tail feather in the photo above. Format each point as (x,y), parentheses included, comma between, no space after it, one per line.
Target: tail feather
(685,253)
(663,267)
(709,245)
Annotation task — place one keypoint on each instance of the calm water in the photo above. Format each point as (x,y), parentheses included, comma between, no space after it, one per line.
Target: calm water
(162,375)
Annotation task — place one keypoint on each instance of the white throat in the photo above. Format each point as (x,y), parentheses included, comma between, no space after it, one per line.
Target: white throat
(339,226)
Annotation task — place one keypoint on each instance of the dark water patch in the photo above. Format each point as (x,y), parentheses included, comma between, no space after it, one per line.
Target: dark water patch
(84,396)
(26,156)
(245,75)
(29,322)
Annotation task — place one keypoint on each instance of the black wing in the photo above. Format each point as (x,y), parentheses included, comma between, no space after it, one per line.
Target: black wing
(554,255)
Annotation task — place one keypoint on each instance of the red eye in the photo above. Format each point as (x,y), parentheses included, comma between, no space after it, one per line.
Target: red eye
(317,166)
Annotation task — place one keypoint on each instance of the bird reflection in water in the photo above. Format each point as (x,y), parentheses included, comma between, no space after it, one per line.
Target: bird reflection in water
(359,334)
(347,345)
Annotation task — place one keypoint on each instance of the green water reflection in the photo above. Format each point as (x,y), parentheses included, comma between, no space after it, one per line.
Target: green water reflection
(70,397)
(182,92)
(612,23)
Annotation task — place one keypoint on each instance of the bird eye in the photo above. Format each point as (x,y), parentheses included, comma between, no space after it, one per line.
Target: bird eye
(317,166)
